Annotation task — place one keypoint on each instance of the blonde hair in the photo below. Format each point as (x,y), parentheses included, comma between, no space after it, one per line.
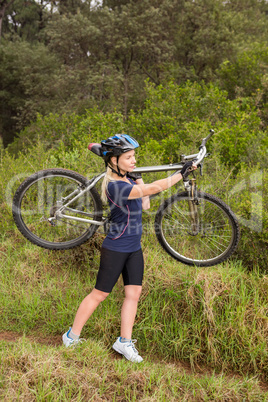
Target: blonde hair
(106,180)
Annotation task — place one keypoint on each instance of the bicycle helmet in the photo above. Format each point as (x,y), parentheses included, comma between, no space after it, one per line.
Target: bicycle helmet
(116,146)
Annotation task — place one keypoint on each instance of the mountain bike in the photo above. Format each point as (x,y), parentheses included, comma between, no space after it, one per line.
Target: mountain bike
(59,209)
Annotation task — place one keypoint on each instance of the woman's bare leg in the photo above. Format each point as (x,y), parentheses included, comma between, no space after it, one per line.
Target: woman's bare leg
(86,309)
(129,309)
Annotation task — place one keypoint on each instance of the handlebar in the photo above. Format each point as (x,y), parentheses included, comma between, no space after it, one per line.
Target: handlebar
(197,158)
(204,141)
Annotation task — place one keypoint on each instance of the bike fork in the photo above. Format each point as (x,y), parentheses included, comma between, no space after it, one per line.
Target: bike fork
(193,202)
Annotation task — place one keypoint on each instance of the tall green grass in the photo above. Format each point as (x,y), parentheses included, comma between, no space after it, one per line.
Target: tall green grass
(215,316)
(207,317)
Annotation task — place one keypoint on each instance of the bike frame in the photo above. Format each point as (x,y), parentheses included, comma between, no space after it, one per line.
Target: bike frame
(197,158)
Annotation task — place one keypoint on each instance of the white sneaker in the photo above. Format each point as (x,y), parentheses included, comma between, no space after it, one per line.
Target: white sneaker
(128,350)
(69,341)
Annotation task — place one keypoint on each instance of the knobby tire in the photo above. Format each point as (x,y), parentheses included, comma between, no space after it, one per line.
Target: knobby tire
(36,200)
(218,234)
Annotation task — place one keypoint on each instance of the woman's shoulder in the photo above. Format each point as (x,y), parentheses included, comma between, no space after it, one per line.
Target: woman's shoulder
(119,190)
(119,183)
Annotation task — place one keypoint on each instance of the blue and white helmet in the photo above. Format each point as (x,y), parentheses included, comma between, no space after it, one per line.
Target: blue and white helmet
(117,145)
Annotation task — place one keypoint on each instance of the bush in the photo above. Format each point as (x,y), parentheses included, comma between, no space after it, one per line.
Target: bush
(246,194)
(178,117)
(173,122)
(248,198)
(175,119)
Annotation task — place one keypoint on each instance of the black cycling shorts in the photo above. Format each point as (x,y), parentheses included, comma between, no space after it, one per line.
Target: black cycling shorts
(114,263)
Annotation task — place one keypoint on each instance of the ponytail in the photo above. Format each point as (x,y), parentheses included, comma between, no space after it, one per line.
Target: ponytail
(106,180)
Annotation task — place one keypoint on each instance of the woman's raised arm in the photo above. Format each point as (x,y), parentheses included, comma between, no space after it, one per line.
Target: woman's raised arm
(144,190)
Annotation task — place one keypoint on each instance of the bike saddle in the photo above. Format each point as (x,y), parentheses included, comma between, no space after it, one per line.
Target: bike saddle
(95,148)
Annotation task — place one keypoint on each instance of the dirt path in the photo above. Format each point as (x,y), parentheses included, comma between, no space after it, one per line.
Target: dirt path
(56,340)
(13,336)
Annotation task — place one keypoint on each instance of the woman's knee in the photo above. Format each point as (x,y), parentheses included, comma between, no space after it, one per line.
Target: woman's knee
(99,295)
(133,292)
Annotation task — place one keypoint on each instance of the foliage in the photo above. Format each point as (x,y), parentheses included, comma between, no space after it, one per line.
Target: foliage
(68,131)
(242,184)
(72,73)
(244,76)
(131,42)
(248,198)
(247,195)
(174,120)
(205,37)
(24,72)
(24,19)
(65,57)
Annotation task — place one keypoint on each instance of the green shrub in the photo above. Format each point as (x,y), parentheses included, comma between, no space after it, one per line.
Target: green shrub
(249,200)
(68,129)
(246,194)
(174,120)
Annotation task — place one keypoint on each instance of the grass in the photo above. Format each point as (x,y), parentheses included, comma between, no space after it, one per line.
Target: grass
(34,372)
(203,333)
(213,318)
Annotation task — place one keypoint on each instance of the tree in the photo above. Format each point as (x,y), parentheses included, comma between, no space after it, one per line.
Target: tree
(4,4)
(27,85)
(25,19)
(210,32)
(112,4)
(203,40)
(243,77)
(246,77)
(100,53)
(28,18)
(129,44)
(72,6)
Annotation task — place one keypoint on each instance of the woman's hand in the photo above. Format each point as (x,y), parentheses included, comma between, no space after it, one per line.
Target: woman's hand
(188,167)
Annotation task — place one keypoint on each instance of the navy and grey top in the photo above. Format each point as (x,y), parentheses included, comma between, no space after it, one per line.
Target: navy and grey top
(126,218)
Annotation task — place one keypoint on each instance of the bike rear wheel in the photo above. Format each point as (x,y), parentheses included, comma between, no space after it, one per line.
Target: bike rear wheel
(39,197)
(212,242)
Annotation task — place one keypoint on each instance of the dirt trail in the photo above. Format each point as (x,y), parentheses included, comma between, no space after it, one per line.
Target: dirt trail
(56,340)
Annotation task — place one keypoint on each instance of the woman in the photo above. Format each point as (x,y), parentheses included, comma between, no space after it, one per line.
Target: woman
(121,250)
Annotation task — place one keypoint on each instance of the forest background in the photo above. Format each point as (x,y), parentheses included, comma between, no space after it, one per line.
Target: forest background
(74,72)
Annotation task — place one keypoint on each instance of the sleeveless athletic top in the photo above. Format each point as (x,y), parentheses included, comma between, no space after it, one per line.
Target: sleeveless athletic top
(126,218)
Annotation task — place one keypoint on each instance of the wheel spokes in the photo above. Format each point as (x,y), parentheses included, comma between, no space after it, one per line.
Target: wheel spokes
(212,238)
(40,203)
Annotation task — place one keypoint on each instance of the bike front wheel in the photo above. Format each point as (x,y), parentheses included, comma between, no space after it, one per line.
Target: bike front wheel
(36,204)
(209,240)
